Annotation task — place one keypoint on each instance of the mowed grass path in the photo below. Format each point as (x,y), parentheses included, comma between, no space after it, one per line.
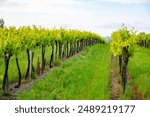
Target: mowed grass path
(139,68)
(84,76)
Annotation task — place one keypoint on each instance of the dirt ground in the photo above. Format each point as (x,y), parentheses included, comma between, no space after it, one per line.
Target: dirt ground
(116,87)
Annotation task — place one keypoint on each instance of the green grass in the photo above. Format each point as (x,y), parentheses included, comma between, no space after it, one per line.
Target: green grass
(84,76)
(139,68)
(128,93)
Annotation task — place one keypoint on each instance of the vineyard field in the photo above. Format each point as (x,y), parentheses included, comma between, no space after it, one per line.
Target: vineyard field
(73,64)
(85,76)
(83,57)
(62,44)
(74,80)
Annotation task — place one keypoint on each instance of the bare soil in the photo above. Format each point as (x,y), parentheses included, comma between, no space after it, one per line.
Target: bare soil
(115,86)
(136,93)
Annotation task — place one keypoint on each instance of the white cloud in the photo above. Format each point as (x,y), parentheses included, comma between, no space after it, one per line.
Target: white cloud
(54,6)
(116,1)
(75,14)
(127,1)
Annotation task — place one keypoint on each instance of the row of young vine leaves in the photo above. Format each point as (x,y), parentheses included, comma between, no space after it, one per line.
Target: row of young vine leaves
(62,42)
(123,44)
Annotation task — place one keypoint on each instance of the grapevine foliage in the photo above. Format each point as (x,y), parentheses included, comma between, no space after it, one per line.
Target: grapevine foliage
(64,42)
(13,40)
(122,44)
(123,38)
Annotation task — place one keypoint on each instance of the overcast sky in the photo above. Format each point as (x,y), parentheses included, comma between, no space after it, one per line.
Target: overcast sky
(99,16)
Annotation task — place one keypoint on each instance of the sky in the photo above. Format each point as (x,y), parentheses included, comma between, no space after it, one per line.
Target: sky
(99,16)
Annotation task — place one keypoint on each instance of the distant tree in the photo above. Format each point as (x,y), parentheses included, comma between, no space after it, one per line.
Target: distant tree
(2,23)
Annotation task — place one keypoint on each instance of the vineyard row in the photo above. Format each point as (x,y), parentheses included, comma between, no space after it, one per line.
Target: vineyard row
(64,43)
(144,40)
